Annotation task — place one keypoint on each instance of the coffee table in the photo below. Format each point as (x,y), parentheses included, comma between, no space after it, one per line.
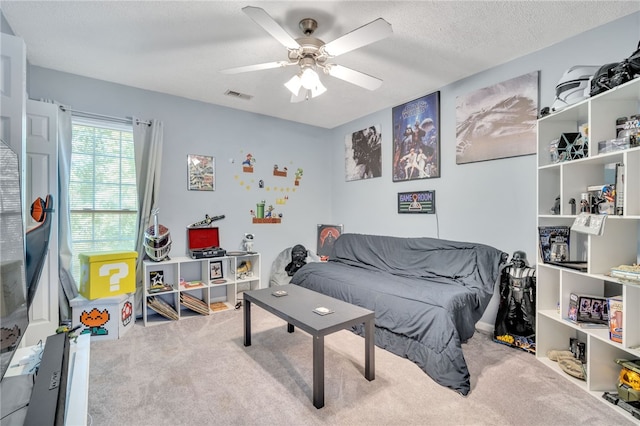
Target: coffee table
(296,308)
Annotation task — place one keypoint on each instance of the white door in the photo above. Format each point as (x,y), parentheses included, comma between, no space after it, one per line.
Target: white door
(41,180)
(13,77)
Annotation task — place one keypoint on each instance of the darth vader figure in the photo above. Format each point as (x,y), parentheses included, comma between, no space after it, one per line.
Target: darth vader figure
(298,259)
(517,310)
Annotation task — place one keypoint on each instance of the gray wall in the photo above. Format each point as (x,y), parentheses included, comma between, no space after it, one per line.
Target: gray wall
(197,128)
(490,202)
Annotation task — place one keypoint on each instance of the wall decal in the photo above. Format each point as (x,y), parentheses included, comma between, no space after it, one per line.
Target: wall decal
(498,121)
(265,215)
(299,173)
(247,164)
(278,172)
(416,139)
(363,154)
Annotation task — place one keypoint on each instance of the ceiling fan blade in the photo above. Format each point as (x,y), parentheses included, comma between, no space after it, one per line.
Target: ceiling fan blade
(257,67)
(265,20)
(366,34)
(354,77)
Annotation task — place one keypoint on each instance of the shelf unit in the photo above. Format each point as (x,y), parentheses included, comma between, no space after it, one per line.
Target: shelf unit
(181,272)
(618,245)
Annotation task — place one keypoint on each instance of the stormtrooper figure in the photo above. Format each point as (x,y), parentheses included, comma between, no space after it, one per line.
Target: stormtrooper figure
(516,313)
(247,243)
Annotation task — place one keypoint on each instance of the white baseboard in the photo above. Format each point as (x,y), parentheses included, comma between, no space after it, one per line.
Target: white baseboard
(485,327)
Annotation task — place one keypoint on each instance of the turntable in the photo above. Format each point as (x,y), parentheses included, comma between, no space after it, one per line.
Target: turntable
(204,242)
(204,253)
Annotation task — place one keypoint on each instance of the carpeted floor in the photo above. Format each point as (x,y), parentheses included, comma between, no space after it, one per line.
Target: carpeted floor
(197,372)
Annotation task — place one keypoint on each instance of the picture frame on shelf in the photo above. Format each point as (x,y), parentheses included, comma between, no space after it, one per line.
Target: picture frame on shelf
(201,173)
(156,277)
(215,270)
(327,236)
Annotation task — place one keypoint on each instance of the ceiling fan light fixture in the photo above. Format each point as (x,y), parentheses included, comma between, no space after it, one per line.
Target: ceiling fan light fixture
(309,79)
(318,90)
(294,85)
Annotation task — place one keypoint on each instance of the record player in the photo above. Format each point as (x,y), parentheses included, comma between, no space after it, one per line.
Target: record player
(207,252)
(204,242)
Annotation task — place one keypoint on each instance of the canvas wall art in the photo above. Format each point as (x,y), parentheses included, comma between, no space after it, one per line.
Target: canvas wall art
(416,139)
(498,121)
(363,154)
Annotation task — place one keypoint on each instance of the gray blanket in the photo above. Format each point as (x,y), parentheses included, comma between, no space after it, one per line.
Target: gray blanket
(427,295)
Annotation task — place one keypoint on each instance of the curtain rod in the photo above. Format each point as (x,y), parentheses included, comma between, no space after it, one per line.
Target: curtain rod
(127,120)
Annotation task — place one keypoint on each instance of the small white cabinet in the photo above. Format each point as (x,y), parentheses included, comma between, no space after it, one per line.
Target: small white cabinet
(211,285)
(618,245)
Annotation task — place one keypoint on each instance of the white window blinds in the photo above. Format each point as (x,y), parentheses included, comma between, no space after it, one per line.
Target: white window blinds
(102,188)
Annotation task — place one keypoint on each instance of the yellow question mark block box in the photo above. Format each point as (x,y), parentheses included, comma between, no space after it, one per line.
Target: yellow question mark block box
(107,274)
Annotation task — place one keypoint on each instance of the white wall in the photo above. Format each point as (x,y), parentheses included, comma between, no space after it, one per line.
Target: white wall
(490,202)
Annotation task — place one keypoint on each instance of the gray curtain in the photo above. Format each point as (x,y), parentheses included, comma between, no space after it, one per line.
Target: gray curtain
(68,286)
(147,138)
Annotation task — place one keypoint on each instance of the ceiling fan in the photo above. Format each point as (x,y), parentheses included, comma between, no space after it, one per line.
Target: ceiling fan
(312,54)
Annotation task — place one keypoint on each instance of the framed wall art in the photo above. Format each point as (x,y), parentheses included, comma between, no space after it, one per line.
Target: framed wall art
(215,270)
(363,154)
(498,121)
(417,202)
(327,236)
(201,173)
(416,139)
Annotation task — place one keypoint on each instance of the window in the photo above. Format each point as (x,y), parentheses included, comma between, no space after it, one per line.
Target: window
(102,189)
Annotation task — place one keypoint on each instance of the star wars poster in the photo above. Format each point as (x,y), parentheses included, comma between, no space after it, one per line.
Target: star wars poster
(327,236)
(416,139)
(363,154)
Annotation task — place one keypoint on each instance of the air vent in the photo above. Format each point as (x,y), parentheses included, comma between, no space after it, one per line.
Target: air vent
(239,95)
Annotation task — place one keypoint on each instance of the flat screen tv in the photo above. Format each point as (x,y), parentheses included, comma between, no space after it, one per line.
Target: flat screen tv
(14,314)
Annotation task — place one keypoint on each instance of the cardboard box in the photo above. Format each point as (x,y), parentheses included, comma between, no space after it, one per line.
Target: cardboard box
(103,319)
(107,274)
(586,308)
(615,319)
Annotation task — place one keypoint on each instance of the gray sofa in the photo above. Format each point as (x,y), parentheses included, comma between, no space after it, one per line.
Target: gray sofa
(427,294)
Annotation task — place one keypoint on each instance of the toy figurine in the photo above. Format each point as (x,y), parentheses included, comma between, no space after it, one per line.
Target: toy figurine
(247,243)
(556,206)
(572,203)
(585,203)
(516,312)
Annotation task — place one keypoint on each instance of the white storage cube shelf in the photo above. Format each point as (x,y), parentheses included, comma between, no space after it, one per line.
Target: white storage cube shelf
(182,275)
(619,245)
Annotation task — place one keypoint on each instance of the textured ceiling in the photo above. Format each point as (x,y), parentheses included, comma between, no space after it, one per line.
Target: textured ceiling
(178,47)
